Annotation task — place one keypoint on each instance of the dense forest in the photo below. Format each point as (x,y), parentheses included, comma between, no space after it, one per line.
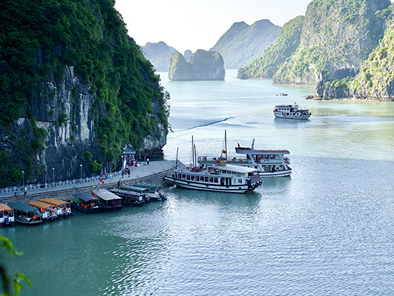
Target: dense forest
(39,41)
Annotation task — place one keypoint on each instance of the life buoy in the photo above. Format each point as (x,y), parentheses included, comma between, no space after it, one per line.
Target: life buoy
(187,168)
(202,169)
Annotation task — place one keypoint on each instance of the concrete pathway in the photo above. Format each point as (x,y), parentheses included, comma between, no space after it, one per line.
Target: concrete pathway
(142,171)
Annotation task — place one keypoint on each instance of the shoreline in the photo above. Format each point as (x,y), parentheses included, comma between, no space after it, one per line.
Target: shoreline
(145,173)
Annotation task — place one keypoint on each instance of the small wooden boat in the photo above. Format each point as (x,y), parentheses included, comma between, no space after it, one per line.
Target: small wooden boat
(6,215)
(155,192)
(47,212)
(129,198)
(110,201)
(64,207)
(24,213)
(137,191)
(87,203)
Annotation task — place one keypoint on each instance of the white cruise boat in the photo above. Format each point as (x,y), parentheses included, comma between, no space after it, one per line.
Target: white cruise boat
(221,177)
(291,112)
(269,163)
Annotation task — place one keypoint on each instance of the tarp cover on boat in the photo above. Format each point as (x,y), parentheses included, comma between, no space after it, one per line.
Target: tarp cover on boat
(133,188)
(20,206)
(85,197)
(148,186)
(105,194)
(55,202)
(40,204)
(4,208)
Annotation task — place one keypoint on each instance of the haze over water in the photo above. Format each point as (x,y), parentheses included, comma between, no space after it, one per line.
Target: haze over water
(326,230)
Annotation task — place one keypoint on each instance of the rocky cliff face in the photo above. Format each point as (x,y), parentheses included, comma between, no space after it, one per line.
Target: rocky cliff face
(242,44)
(275,55)
(336,35)
(84,93)
(374,81)
(159,54)
(203,65)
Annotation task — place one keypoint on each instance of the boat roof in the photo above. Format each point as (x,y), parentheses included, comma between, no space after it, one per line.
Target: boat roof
(148,186)
(21,206)
(85,197)
(40,204)
(261,151)
(54,201)
(4,208)
(134,188)
(105,194)
(235,168)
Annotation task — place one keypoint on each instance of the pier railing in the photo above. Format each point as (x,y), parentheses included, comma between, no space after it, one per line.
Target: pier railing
(29,187)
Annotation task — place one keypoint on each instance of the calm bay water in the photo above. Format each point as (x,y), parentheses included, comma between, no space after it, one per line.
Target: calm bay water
(326,230)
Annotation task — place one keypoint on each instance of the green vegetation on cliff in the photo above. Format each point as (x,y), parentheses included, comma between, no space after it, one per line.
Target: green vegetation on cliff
(376,76)
(336,34)
(39,40)
(275,55)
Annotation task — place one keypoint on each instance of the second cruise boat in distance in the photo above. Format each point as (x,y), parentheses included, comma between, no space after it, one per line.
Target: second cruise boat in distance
(291,112)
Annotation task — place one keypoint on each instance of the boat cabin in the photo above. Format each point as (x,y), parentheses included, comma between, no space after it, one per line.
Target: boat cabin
(109,200)
(24,213)
(47,212)
(87,203)
(63,207)
(6,215)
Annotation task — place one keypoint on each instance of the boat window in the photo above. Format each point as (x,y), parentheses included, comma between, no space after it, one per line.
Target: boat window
(216,180)
(188,177)
(240,181)
(206,179)
(211,180)
(192,178)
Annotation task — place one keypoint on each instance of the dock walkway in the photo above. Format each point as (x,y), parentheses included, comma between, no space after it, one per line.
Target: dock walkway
(144,173)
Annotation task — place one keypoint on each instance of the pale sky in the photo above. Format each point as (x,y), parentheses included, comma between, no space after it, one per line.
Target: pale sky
(199,24)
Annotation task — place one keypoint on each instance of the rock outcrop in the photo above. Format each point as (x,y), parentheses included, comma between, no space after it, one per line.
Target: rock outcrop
(336,35)
(374,81)
(275,55)
(203,65)
(242,44)
(75,92)
(159,54)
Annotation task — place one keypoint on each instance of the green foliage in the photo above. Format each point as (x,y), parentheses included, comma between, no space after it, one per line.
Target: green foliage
(18,277)
(39,39)
(88,156)
(95,166)
(275,55)
(335,33)
(376,73)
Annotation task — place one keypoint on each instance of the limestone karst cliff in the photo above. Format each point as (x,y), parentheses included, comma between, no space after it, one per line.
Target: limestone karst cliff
(241,44)
(275,55)
(203,65)
(159,54)
(337,36)
(76,90)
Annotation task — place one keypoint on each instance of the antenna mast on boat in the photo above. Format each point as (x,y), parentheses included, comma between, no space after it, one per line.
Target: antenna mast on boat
(176,160)
(193,152)
(225,141)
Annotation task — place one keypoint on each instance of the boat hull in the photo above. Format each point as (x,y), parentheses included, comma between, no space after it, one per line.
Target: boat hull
(86,210)
(287,116)
(209,187)
(23,220)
